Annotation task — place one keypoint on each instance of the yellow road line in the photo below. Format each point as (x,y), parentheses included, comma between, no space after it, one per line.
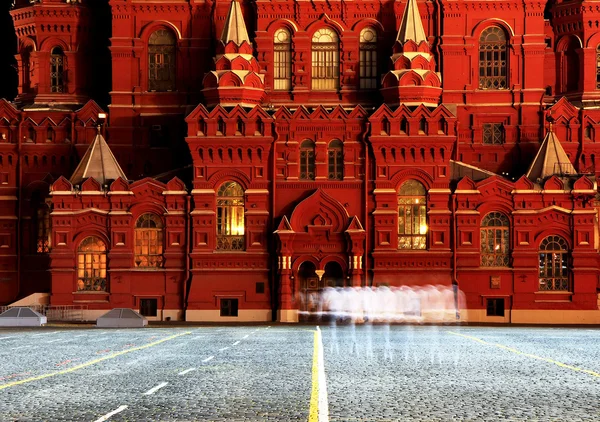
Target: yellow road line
(313,414)
(92,362)
(529,355)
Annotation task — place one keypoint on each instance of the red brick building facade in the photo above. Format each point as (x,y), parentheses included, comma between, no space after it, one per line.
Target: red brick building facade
(254,152)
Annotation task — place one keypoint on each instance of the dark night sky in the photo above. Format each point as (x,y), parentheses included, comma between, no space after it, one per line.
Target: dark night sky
(8,49)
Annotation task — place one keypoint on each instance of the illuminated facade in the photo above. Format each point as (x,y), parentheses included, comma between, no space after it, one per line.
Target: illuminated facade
(261,151)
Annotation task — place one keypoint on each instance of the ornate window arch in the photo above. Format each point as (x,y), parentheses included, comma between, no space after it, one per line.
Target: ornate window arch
(493,59)
(554,270)
(412,215)
(335,160)
(495,237)
(148,246)
(325,60)
(282,61)
(230,217)
(368,72)
(91,265)
(57,70)
(307,160)
(43,228)
(598,66)
(161,60)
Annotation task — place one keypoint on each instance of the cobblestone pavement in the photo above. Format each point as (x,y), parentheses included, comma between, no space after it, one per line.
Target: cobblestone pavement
(265,373)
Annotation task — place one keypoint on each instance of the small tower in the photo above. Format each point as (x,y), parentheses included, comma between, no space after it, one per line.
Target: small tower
(551,160)
(53,53)
(413,80)
(98,163)
(236,80)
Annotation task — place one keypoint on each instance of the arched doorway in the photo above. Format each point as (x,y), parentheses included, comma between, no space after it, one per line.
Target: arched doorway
(310,287)
(334,275)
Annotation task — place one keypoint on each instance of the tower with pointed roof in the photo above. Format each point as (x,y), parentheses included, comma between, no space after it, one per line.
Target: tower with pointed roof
(236,79)
(99,163)
(413,79)
(550,160)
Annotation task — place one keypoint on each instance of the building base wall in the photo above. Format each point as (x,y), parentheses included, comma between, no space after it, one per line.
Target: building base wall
(244,315)
(287,315)
(533,316)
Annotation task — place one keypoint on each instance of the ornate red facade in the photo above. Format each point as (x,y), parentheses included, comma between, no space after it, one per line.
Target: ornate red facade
(328,144)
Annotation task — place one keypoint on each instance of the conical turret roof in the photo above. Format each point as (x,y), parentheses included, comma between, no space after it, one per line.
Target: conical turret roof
(550,160)
(99,163)
(411,27)
(235,27)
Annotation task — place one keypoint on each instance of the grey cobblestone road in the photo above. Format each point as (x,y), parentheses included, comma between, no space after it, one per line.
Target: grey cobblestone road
(262,373)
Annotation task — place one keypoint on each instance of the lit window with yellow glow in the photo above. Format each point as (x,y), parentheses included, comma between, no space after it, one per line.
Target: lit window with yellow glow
(148,242)
(43,229)
(495,240)
(412,216)
(554,266)
(230,217)
(91,265)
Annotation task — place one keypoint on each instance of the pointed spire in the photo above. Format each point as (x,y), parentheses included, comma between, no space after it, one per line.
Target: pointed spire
(99,163)
(550,160)
(411,27)
(235,28)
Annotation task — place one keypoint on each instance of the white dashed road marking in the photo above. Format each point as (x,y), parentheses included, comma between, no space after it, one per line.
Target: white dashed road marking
(155,389)
(4,338)
(223,348)
(108,415)
(187,371)
(196,338)
(246,336)
(81,335)
(19,347)
(54,341)
(236,343)
(207,359)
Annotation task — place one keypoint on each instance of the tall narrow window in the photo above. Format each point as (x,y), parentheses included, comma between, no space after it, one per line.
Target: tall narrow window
(161,61)
(493,59)
(230,217)
(554,271)
(43,229)
(57,68)
(325,60)
(493,133)
(368,59)
(494,240)
(91,265)
(598,67)
(412,216)
(335,160)
(148,242)
(307,160)
(282,64)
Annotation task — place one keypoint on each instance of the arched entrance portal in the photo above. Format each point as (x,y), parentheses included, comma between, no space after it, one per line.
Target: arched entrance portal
(334,275)
(310,287)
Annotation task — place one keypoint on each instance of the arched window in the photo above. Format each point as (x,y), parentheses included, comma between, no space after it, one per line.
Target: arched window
(161,61)
(412,216)
(325,60)
(230,217)
(493,63)
(598,67)
(57,68)
(148,246)
(554,272)
(368,59)
(43,240)
(282,63)
(494,240)
(569,65)
(91,265)
(335,160)
(307,160)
